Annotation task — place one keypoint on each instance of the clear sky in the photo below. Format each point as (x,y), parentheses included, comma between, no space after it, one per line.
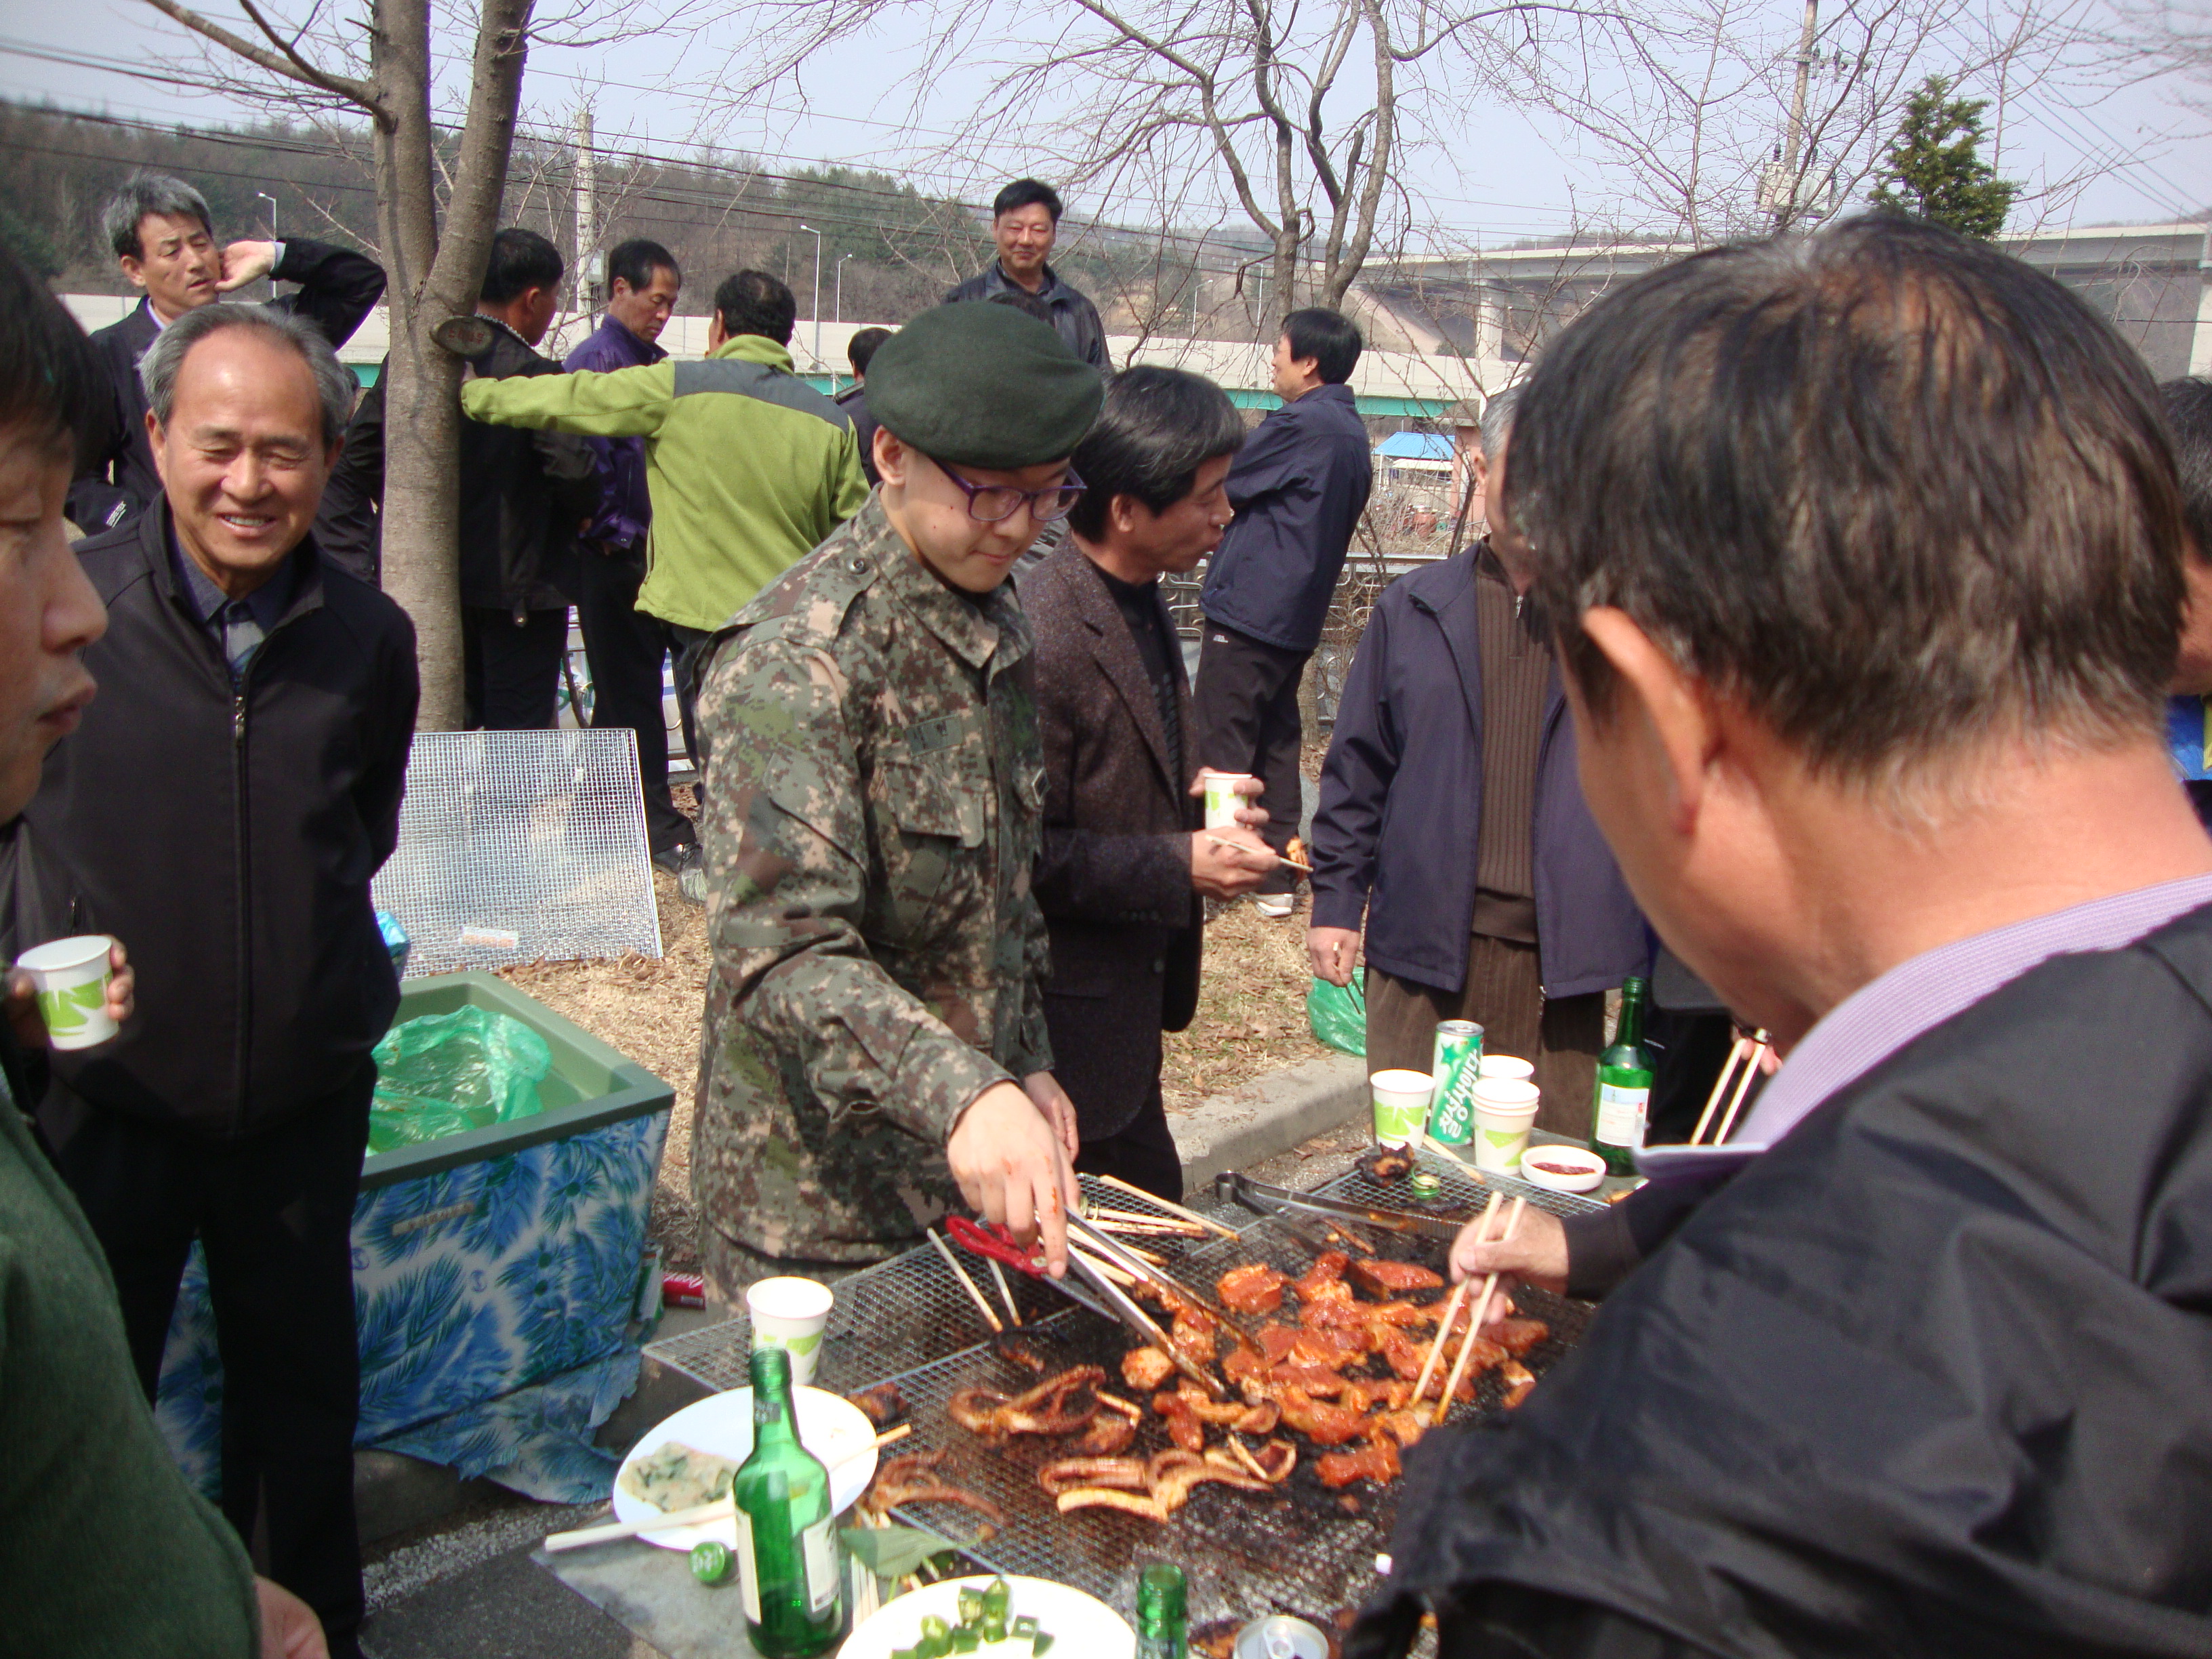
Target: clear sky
(1502,179)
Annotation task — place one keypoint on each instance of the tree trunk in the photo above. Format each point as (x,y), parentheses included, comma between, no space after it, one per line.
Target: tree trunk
(433,276)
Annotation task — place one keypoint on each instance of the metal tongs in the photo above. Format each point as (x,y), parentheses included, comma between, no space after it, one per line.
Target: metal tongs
(1267,1201)
(998,1245)
(1123,1257)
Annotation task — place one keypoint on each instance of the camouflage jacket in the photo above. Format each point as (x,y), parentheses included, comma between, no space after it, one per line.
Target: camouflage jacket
(877,791)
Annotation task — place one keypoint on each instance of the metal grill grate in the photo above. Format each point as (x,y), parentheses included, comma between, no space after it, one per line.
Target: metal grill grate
(896,1315)
(520,846)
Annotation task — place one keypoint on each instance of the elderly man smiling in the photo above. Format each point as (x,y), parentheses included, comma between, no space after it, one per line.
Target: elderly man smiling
(221,810)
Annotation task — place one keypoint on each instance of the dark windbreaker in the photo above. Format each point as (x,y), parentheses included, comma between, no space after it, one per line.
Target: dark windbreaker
(1933,1377)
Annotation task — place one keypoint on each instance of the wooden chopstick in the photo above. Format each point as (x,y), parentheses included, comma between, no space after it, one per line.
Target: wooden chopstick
(1737,1050)
(1005,1295)
(698,1513)
(1750,1061)
(1289,863)
(1114,1271)
(1474,1325)
(967,1284)
(1206,1222)
(1453,1302)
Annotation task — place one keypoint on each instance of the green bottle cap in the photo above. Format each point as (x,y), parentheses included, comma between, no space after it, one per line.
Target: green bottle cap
(1161,1592)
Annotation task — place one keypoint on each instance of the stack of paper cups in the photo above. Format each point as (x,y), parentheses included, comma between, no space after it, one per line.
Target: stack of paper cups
(1504,1112)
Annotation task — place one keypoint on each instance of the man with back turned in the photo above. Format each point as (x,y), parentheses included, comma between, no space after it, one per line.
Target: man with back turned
(1865,553)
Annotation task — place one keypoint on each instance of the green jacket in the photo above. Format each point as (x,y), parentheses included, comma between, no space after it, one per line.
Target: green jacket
(749,467)
(879,957)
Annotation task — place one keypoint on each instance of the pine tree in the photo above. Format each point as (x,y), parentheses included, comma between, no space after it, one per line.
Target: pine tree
(1934,167)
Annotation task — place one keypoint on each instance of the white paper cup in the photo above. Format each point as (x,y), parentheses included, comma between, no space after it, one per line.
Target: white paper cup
(1506,1066)
(72,976)
(790,1314)
(1222,797)
(1401,1105)
(1504,1112)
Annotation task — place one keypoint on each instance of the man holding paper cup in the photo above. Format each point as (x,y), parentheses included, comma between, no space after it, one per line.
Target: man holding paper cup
(86,1483)
(1864,549)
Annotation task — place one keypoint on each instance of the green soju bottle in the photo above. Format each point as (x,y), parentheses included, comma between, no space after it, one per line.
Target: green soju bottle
(787,1556)
(1623,1086)
(1163,1616)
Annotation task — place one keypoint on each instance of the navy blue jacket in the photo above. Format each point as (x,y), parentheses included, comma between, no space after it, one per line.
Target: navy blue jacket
(1075,319)
(1298,485)
(625,509)
(1413,707)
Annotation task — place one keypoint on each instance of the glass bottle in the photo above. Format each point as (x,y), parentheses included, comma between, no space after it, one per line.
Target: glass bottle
(1622,1099)
(1163,1616)
(787,1554)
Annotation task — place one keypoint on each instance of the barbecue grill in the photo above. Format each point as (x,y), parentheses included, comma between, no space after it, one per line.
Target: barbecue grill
(1298,1548)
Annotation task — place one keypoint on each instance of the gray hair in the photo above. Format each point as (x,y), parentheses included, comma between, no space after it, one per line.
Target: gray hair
(150,192)
(158,369)
(1498,419)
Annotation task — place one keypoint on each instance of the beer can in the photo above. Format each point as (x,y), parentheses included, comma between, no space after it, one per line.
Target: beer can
(1278,1636)
(1457,1065)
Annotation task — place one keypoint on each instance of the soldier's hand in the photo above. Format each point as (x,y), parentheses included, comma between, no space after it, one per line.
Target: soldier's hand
(1011,1168)
(1224,863)
(244,262)
(1051,1100)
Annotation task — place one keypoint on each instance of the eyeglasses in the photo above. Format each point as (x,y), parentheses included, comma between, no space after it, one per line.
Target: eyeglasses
(995,503)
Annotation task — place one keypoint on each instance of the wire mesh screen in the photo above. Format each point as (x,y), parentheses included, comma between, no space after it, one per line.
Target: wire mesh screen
(521,846)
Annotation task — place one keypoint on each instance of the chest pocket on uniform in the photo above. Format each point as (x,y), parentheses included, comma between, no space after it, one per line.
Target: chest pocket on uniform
(936,816)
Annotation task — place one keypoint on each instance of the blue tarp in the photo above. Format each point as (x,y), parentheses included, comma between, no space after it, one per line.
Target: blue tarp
(1415,447)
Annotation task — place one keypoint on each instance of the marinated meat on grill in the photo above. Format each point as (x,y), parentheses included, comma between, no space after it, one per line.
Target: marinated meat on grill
(1194,1339)
(1395,1277)
(1403,1355)
(1107,1435)
(1170,1477)
(1146,1368)
(1254,1288)
(1183,1426)
(1517,1336)
(883,1405)
(1332,1348)
(1386,1164)
(1405,1426)
(1018,1353)
(1518,1380)
(1058,1404)
(1216,1639)
(1327,1268)
(907,1480)
(1325,1425)
(1065,1473)
(1255,1419)
(1378,1461)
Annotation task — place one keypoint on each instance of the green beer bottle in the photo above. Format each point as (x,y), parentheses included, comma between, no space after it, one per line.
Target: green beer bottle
(787,1551)
(1162,1620)
(1623,1086)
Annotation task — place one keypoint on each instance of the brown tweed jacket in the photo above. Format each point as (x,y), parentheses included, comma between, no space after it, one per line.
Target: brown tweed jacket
(1114,875)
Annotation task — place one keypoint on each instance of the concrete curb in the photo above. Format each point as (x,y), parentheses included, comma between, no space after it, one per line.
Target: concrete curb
(1267,1116)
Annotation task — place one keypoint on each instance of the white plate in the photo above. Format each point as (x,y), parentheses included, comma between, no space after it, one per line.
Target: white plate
(1081,1626)
(723,1424)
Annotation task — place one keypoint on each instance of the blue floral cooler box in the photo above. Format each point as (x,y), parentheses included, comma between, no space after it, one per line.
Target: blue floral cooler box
(499,1275)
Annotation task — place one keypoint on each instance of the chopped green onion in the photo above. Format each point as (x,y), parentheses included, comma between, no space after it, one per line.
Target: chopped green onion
(1041,1646)
(997,1598)
(933,1627)
(971,1605)
(1025,1627)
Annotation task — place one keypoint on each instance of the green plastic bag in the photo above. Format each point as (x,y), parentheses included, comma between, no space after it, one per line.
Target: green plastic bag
(443,1074)
(1338,1014)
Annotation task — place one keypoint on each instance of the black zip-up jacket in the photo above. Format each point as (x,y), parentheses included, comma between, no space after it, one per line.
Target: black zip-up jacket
(227,839)
(337,288)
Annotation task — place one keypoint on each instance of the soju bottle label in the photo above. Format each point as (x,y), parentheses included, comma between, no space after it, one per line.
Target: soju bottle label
(748,1568)
(1620,1114)
(817,1553)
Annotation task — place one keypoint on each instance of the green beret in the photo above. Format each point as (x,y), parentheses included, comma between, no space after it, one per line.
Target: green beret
(980,385)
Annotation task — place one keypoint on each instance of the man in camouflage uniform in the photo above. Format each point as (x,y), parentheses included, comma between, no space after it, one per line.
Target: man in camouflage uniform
(875,1049)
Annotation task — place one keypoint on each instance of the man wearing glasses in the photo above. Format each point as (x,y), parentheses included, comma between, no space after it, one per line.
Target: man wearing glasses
(875,1050)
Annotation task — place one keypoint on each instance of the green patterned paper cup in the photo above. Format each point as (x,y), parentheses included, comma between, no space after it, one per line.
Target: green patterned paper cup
(1222,798)
(1401,1106)
(1504,1112)
(72,976)
(790,1314)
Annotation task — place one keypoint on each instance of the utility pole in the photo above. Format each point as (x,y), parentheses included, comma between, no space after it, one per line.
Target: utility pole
(587,217)
(1788,193)
(817,235)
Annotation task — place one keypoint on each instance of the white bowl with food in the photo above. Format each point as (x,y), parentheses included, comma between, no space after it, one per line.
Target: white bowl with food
(1562,1169)
(1076,1625)
(690,1458)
